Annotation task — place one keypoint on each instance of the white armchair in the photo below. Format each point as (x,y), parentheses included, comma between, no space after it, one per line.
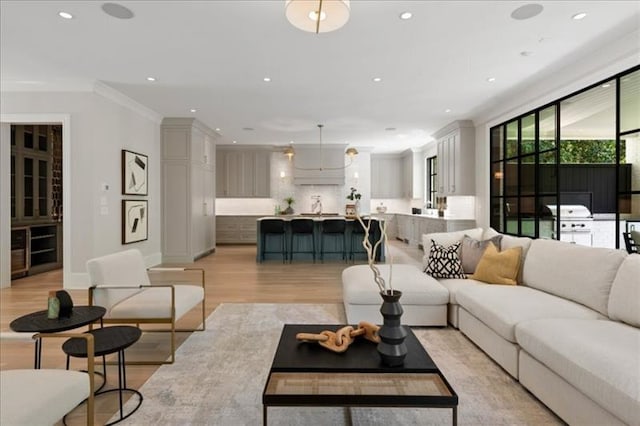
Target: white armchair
(120,283)
(42,397)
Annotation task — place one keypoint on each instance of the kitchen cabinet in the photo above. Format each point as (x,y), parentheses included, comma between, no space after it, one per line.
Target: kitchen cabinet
(31,173)
(243,173)
(236,229)
(35,249)
(456,159)
(407,175)
(387,178)
(411,228)
(391,223)
(188,183)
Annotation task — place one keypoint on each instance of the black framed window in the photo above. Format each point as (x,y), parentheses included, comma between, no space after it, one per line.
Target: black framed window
(581,149)
(431,181)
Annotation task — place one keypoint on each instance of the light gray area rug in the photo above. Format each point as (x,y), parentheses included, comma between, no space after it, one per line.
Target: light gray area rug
(219,376)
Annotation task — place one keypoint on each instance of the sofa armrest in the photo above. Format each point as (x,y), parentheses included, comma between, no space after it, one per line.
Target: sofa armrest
(90,365)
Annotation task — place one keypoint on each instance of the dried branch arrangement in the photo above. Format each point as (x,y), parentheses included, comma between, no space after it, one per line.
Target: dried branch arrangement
(371,249)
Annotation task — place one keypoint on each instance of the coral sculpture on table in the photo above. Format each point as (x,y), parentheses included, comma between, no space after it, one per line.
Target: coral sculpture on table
(371,249)
(342,338)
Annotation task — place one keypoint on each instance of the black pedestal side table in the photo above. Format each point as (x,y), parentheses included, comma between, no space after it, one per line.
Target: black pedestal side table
(37,322)
(109,340)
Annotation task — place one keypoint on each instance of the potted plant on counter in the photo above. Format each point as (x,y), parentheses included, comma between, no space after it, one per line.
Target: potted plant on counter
(354,208)
(289,201)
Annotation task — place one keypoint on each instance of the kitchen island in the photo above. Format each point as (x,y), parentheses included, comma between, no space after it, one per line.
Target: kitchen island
(273,242)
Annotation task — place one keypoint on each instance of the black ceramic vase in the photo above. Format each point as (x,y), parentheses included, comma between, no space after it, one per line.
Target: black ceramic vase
(391,348)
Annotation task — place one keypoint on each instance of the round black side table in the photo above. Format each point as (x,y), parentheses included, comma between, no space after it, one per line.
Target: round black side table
(37,322)
(109,340)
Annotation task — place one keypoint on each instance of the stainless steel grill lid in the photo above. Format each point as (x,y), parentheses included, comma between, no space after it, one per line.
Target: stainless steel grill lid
(570,211)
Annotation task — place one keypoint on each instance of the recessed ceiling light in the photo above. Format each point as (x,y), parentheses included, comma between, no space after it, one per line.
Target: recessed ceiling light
(526,53)
(447,110)
(235,141)
(606,85)
(527,11)
(117,11)
(151,79)
(193,110)
(406,15)
(248,129)
(65,15)
(390,129)
(217,129)
(491,79)
(291,142)
(579,16)
(266,79)
(377,79)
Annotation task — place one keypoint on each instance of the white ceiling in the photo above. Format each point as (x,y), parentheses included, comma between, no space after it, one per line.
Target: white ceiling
(213,56)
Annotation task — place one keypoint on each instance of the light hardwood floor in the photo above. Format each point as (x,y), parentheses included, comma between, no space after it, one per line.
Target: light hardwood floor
(232,276)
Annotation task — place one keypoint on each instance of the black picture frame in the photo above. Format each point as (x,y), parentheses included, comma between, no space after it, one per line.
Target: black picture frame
(135,221)
(135,173)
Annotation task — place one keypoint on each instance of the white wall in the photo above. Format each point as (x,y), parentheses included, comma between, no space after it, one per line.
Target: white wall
(5,209)
(100,129)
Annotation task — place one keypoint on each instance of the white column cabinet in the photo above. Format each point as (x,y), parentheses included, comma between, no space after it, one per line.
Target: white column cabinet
(456,159)
(188,183)
(243,173)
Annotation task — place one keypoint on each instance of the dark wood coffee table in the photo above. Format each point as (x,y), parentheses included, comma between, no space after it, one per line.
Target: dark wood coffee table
(306,374)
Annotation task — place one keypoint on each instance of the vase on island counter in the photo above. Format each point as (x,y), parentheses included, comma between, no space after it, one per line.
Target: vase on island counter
(392,348)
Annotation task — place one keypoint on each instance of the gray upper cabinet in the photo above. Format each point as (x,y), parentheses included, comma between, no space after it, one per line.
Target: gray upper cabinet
(387,176)
(243,173)
(456,158)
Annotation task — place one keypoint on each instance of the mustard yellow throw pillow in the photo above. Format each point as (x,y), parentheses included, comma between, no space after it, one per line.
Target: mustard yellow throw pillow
(498,267)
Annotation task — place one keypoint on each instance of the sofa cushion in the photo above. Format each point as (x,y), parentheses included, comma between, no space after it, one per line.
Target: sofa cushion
(155,302)
(444,262)
(358,287)
(499,267)
(624,299)
(446,239)
(471,251)
(574,272)
(40,397)
(455,284)
(600,358)
(501,308)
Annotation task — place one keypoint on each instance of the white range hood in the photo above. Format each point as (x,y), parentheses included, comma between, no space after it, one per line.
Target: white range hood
(316,165)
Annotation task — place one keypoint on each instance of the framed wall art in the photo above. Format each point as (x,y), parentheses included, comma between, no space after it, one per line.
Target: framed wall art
(134,173)
(135,221)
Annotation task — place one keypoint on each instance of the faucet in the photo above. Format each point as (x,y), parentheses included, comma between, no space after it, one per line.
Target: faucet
(316,207)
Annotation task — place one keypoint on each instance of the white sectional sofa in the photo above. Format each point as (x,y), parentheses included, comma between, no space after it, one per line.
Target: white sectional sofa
(569,331)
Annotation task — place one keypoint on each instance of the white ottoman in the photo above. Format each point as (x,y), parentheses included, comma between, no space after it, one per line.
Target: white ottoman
(424,299)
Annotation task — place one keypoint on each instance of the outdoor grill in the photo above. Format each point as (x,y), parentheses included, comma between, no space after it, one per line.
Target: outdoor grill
(576,223)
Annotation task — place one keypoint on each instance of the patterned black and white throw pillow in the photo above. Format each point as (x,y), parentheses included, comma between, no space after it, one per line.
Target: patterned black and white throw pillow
(444,262)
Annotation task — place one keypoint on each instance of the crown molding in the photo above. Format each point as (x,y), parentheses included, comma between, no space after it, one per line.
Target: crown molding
(119,98)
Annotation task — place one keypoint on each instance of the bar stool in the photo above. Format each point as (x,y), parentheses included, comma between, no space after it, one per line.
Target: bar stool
(333,228)
(357,235)
(272,227)
(301,228)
